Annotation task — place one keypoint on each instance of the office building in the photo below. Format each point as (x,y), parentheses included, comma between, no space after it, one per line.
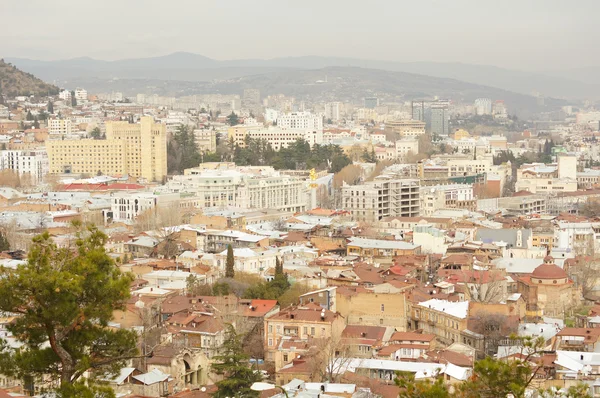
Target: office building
(418,110)
(32,162)
(382,198)
(440,118)
(371,102)
(138,150)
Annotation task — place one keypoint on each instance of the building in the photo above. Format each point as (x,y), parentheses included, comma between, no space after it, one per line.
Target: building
(382,198)
(59,126)
(483,106)
(548,178)
(300,121)
(33,162)
(371,102)
(418,110)
(360,306)
(206,140)
(377,248)
(440,118)
(444,319)
(406,128)
(65,95)
(251,98)
(233,187)
(451,196)
(280,138)
(81,94)
(139,150)
(127,206)
(333,110)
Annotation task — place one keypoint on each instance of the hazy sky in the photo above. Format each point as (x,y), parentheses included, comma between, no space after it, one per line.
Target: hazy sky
(523,34)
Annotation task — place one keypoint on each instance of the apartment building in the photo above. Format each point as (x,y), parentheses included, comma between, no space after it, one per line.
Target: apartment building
(59,126)
(458,167)
(127,206)
(139,150)
(280,138)
(444,319)
(33,162)
(206,140)
(549,178)
(81,94)
(451,196)
(300,121)
(406,128)
(304,323)
(236,188)
(382,198)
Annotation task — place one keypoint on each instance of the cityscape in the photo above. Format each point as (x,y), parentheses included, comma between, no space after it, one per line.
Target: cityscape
(300,217)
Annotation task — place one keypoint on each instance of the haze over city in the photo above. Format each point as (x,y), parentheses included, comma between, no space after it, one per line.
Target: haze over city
(529,35)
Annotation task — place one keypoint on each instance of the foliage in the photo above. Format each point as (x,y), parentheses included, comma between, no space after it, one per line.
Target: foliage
(73,99)
(195,287)
(270,290)
(580,390)
(410,388)
(233,119)
(66,297)
(4,243)
(230,263)
(182,152)
(50,107)
(369,156)
(233,365)
(96,134)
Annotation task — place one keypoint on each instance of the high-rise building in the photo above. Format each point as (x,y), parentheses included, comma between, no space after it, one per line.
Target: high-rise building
(483,106)
(251,98)
(333,110)
(440,118)
(371,102)
(374,200)
(139,150)
(418,110)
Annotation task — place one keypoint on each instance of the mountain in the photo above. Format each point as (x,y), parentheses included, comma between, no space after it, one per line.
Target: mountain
(16,82)
(588,74)
(195,67)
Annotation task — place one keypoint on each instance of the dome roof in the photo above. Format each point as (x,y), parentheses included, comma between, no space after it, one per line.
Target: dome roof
(549,271)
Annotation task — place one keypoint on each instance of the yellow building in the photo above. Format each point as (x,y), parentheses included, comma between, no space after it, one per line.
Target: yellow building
(139,150)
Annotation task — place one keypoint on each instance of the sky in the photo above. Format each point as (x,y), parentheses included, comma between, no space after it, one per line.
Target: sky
(517,34)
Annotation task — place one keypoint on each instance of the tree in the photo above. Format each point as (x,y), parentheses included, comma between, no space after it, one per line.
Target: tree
(585,274)
(233,365)
(96,133)
(29,116)
(73,99)
(233,119)
(328,357)
(182,151)
(50,107)
(195,287)
(66,297)
(4,243)
(409,387)
(230,263)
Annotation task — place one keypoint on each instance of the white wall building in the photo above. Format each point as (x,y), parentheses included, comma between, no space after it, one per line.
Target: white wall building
(33,162)
(282,138)
(483,106)
(59,126)
(65,95)
(81,95)
(333,110)
(300,121)
(127,206)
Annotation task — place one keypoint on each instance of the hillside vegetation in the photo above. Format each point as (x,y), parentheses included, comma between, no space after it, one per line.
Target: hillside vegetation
(14,81)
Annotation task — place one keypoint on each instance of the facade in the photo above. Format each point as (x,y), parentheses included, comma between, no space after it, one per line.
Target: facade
(444,319)
(279,138)
(81,94)
(360,306)
(418,110)
(378,199)
(440,118)
(32,162)
(65,95)
(59,126)
(333,110)
(127,206)
(371,102)
(139,150)
(300,121)
(406,128)
(483,106)
(452,196)
(206,140)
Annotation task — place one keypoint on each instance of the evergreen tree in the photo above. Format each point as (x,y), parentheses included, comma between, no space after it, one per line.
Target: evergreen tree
(73,99)
(230,263)
(66,297)
(4,243)
(96,133)
(233,119)
(29,116)
(234,366)
(50,107)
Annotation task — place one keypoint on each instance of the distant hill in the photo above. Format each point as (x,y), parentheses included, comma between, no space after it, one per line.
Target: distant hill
(16,82)
(195,67)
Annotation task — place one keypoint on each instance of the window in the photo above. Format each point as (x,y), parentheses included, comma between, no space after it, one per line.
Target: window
(322,332)
(382,307)
(285,357)
(270,342)
(312,331)
(270,328)
(381,321)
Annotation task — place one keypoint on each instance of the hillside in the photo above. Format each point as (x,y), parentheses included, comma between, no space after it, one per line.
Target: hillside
(195,67)
(16,82)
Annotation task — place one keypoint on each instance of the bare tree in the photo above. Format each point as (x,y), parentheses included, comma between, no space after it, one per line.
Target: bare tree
(328,358)
(585,274)
(485,286)
(494,327)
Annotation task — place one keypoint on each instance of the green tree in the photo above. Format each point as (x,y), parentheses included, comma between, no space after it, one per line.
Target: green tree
(73,99)
(369,156)
(29,116)
(411,388)
(96,133)
(234,365)
(65,297)
(4,243)
(233,119)
(182,152)
(230,263)
(50,107)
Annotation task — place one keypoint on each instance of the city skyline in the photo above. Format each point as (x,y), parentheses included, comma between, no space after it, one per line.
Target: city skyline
(541,36)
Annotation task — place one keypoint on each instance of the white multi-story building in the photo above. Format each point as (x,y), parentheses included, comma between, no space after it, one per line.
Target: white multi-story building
(483,106)
(333,110)
(271,115)
(433,198)
(206,140)
(59,126)
(406,147)
(65,95)
(127,206)
(280,138)
(81,94)
(300,121)
(382,198)
(33,162)
(246,188)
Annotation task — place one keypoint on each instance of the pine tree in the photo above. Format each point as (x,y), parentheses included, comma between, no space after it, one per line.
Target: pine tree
(230,263)
(234,365)
(4,243)
(233,119)
(73,99)
(50,107)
